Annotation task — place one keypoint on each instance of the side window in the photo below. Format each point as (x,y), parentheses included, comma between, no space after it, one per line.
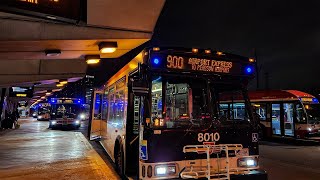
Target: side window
(260,109)
(300,114)
(97,107)
(105,105)
(119,106)
(111,105)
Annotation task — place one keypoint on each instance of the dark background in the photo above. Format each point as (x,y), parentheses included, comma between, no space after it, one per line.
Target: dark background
(284,35)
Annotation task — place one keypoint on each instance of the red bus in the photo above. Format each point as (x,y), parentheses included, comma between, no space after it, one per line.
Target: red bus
(286,113)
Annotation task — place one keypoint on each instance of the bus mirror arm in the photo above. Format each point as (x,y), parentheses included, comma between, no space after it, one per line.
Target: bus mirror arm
(134,140)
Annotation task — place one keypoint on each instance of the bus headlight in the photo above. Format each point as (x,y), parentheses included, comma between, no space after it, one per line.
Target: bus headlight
(77,122)
(82,116)
(39,117)
(53,122)
(310,129)
(162,170)
(247,162)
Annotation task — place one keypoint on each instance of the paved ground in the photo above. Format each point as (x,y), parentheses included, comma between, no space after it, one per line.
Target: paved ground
(35,152)
(290,162)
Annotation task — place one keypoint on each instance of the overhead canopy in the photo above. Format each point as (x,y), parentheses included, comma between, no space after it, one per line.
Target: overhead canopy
(24,39)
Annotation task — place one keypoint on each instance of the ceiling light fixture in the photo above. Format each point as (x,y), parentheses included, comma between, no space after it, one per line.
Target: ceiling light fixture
(63,81)
(59,85)
(52,52)
(92,59)
(108,47)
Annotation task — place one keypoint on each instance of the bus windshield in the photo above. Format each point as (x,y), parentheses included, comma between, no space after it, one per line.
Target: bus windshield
(65,110)
(232,105)
(313,113)
(179,102)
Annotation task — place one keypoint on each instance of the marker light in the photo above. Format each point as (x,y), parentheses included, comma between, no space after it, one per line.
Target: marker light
(195,50)
(156,49)
(207,51)
(251,60)
(219,53)
(156,61)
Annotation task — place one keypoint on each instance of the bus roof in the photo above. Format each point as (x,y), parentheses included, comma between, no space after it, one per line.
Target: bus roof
(264,95)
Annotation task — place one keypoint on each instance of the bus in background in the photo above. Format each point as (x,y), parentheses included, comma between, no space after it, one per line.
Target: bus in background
(66,112)
(287,113)
(42,111)
(159,118)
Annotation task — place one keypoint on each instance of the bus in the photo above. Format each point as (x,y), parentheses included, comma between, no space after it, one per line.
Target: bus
(66,112)
(43,111)
(158,117)
(287,113)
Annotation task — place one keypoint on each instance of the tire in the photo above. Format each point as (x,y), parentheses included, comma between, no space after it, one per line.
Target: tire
(119,160)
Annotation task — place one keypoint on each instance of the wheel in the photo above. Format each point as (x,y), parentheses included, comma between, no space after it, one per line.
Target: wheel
(119,156)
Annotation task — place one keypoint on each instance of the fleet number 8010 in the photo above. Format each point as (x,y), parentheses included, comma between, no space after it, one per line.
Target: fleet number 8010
(208,137)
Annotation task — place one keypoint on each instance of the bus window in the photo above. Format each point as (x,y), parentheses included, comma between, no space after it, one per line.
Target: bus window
(313,113)
(236,110)
(185,102)
(156,94)
(288,119)
(105,105)
(224,111)
(261,110)
(276,119)
(300,114)
(97,107)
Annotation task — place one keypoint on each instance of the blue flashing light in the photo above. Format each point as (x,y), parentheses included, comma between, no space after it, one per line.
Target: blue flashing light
(156,61)
(249,70)
(315,100)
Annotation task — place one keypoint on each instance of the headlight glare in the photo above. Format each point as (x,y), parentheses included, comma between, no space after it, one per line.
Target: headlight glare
(247,162)
(53,122)
(77,122)
(162,170)
(82,116)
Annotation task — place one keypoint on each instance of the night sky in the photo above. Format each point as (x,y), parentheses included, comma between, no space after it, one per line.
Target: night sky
(285,34)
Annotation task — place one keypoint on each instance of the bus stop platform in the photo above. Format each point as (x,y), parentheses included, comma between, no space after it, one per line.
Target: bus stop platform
(35,152)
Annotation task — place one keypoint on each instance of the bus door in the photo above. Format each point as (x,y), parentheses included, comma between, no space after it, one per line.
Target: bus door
(288,119)
(276,118)
(136,109)
(96,116)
